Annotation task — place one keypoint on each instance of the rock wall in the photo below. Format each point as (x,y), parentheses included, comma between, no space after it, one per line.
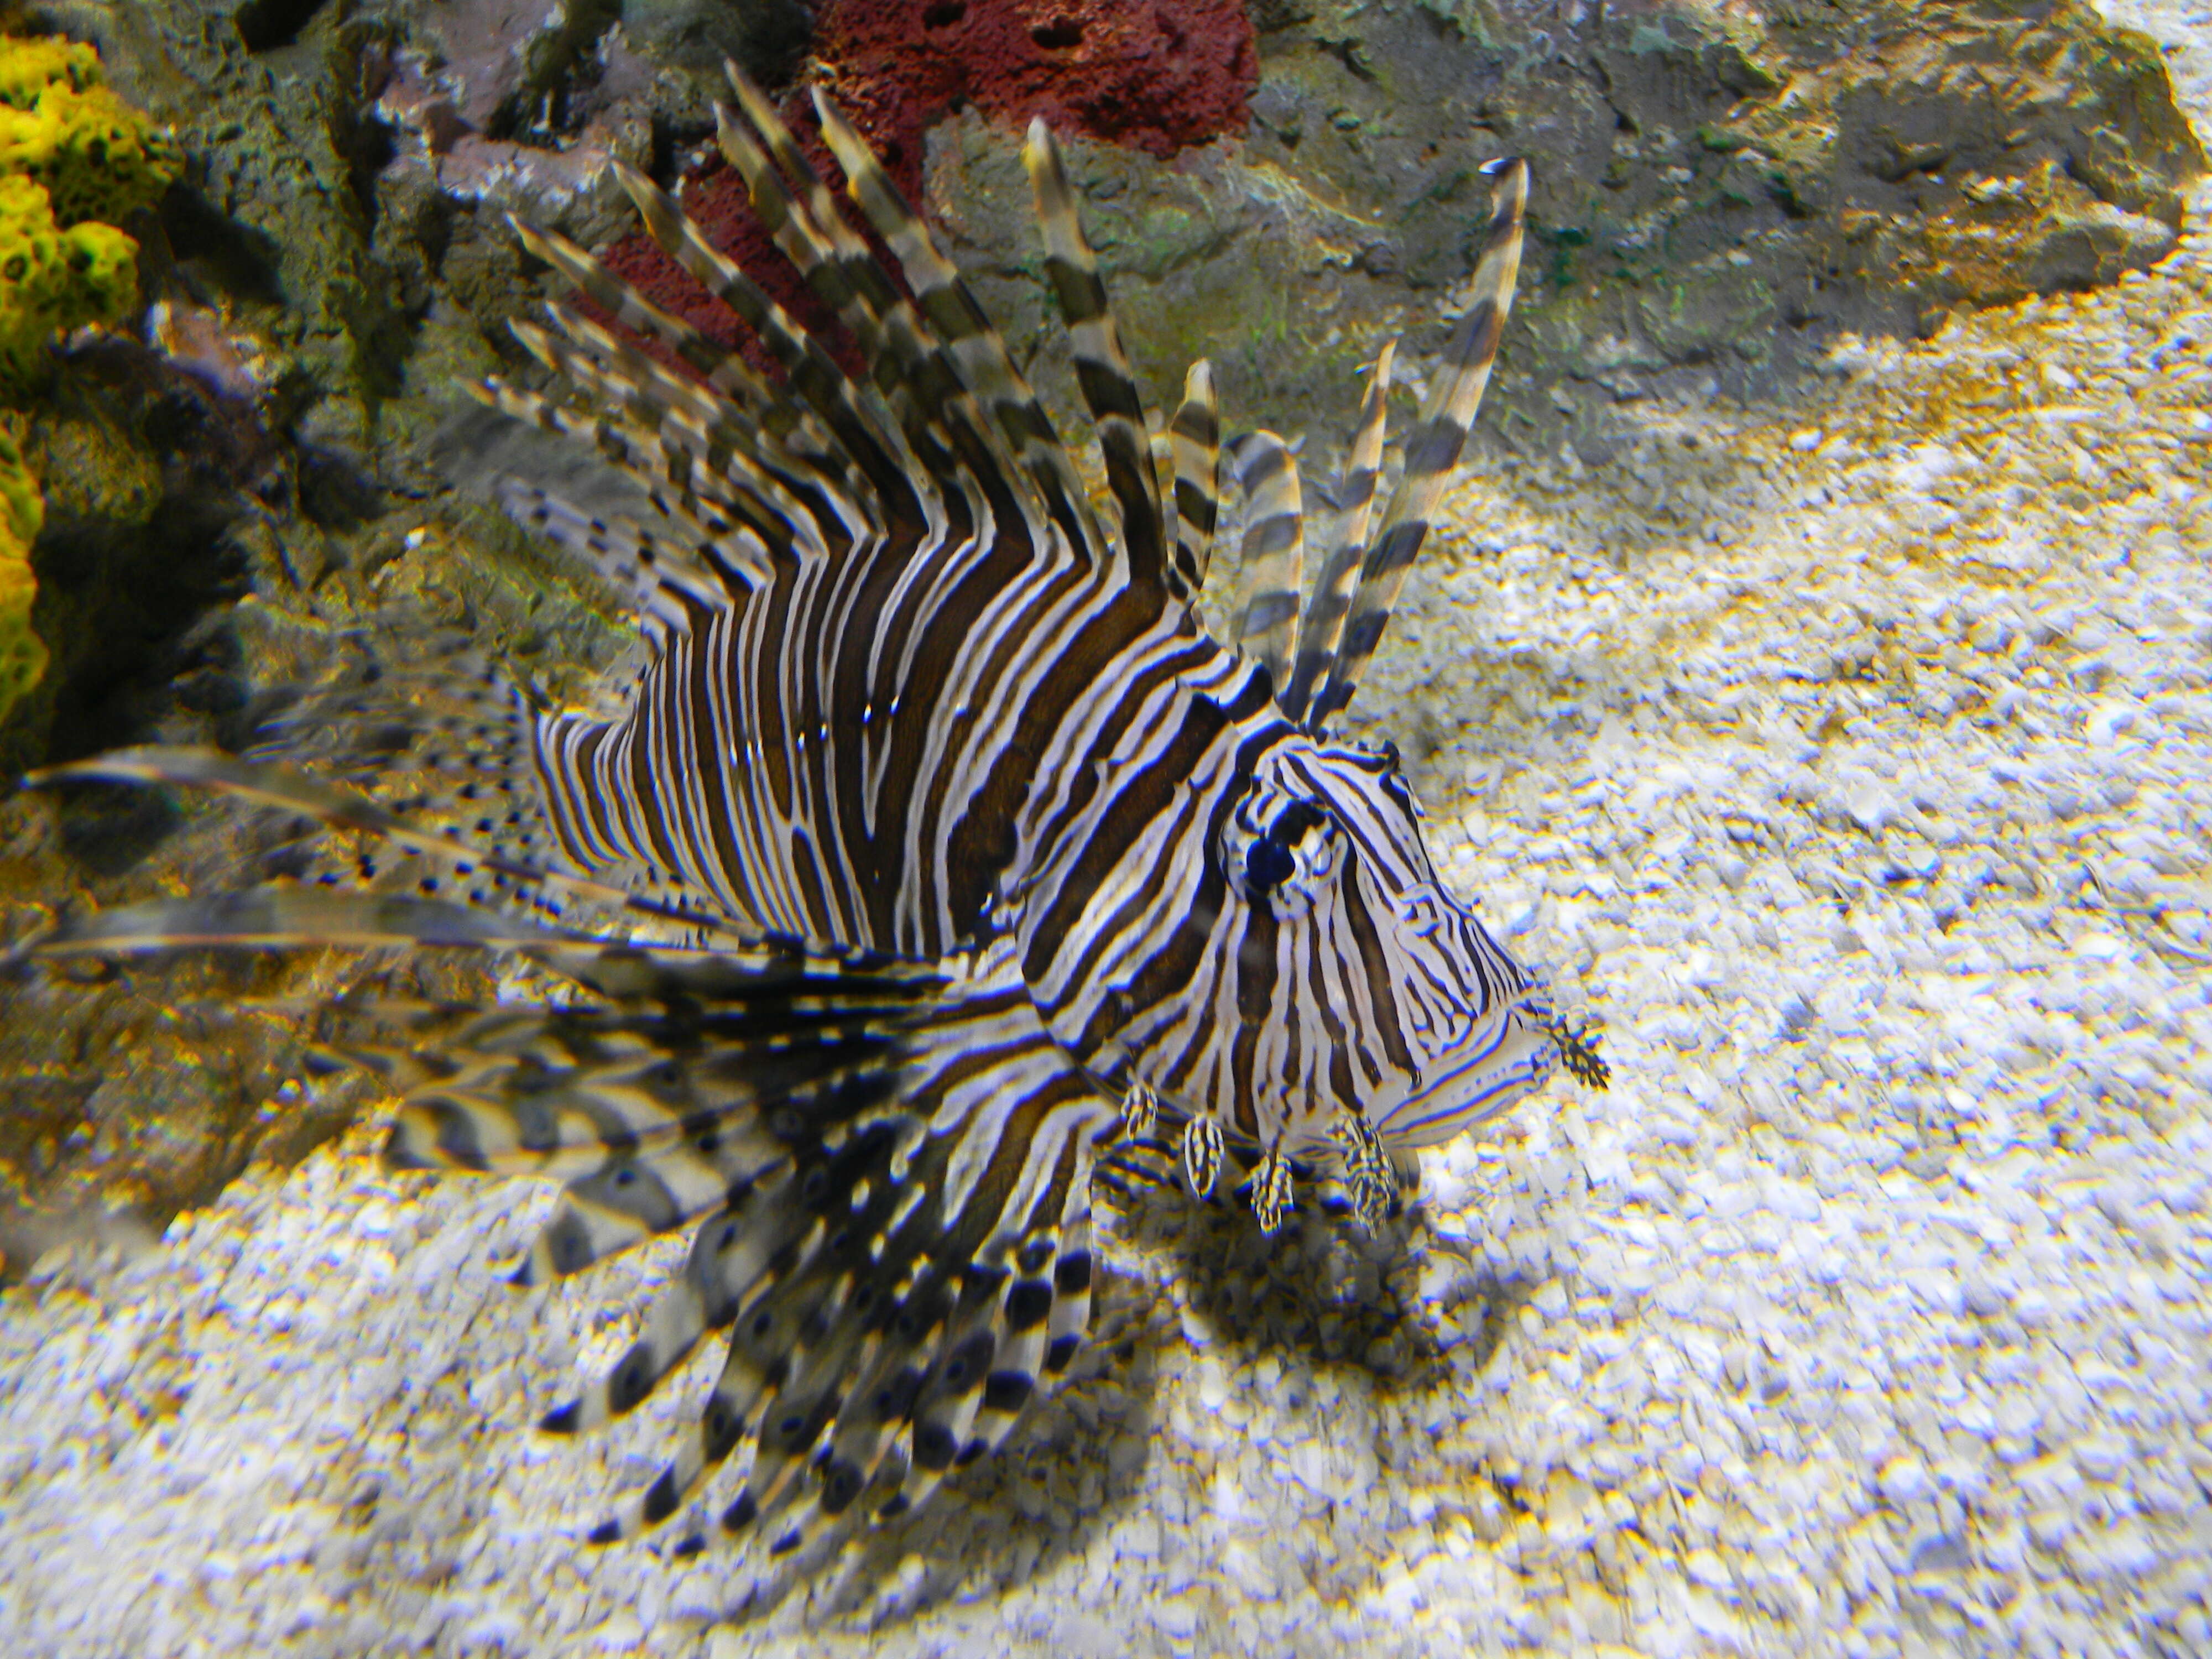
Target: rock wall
(1719,191)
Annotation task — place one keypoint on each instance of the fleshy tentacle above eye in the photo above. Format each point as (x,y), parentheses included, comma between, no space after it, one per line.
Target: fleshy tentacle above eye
(1315,661)
(1321,631)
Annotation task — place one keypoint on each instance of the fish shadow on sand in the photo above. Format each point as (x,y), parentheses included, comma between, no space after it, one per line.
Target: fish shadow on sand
(1322,1296)
(1326,1293)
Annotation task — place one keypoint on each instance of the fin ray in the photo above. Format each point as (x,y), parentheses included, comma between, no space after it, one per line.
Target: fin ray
(1434,447)
(1194,444)
(1265,610)
(1101,368)
(1321,631)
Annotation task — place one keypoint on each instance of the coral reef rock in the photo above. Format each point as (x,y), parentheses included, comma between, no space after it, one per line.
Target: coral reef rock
(1716,197)
(1157,78)
(229,505)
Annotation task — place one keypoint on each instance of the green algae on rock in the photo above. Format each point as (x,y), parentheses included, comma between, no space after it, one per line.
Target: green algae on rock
(74,159)
(53,279)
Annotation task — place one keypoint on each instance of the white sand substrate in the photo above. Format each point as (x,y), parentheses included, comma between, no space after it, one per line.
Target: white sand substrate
(1849,763)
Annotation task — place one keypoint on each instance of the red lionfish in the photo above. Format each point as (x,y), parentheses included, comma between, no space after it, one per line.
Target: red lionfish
(986,858)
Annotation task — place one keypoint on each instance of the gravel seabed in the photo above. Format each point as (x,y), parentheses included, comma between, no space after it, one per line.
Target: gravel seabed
(1845,755)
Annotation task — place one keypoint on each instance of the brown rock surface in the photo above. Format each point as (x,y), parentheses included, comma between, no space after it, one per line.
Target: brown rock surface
(1720,190)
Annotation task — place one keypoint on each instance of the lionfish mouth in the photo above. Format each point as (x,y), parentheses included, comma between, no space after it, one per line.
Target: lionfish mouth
(1480,1077)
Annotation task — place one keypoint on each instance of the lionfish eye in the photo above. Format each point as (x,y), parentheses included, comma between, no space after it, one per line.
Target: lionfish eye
(1267,865)
(1271,841)
(1270,861)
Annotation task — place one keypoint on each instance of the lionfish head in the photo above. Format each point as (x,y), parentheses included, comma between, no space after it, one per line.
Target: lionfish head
(1389,1005)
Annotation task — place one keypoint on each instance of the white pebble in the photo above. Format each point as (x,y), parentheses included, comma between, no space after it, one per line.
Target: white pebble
(1903,1480)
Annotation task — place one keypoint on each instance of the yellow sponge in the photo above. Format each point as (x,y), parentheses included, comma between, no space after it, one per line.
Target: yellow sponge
(97,157)
(52,280)
(73,157)
(22,657)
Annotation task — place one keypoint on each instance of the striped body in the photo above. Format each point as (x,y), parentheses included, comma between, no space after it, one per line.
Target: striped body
(920,801)
(990,857)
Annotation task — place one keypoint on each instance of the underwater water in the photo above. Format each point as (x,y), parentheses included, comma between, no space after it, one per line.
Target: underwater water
(1846,756)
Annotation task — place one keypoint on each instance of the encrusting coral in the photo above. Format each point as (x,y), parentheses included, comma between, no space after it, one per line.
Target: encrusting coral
(73,158)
